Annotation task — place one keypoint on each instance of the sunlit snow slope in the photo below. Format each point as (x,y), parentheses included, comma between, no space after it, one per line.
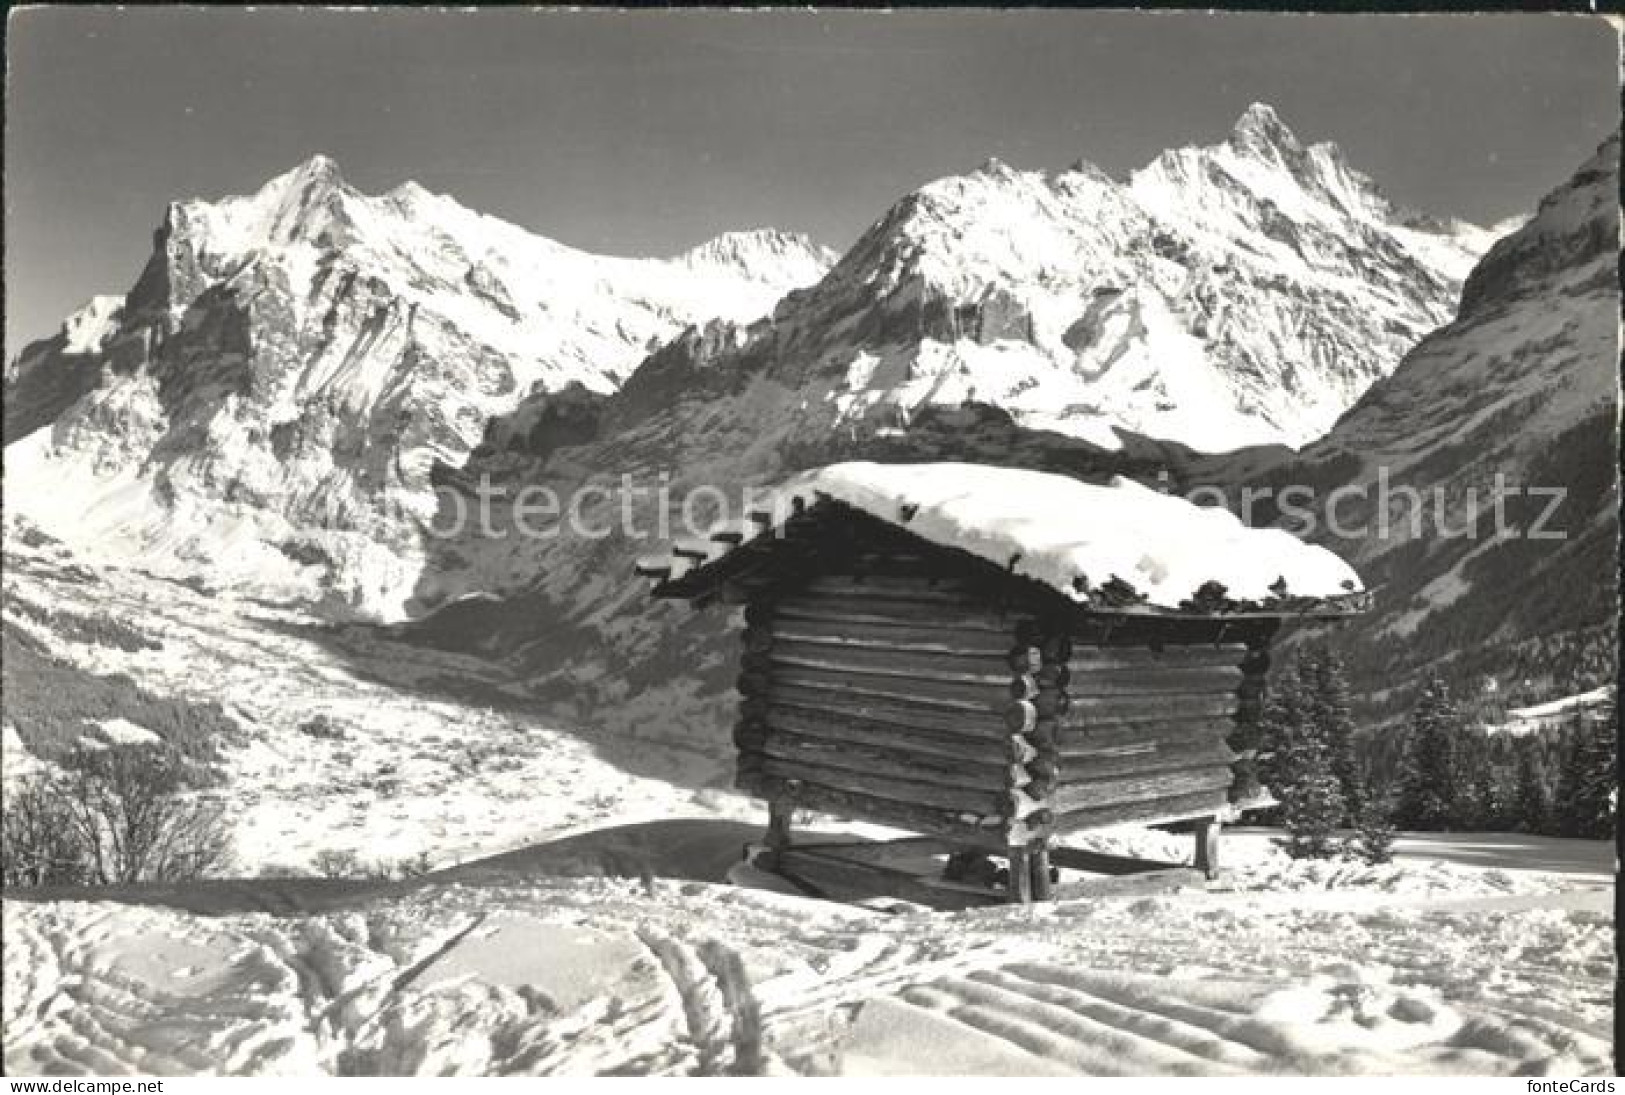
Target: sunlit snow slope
(268,401)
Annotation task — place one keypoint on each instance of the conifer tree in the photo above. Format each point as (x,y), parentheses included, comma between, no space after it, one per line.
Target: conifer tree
(1285,713)
(1428,790)
(1327,684)
(1475,803)
(1373,840)
(1311,798)
(1534,794)
(1296,765)
(1590,783)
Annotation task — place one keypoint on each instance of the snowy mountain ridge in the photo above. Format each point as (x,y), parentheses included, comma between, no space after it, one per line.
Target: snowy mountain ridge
(1243,293)
(276,389)
(274,399)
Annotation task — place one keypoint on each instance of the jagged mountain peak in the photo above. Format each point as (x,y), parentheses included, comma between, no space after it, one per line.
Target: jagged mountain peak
(311,182)
(1081,168)
(320,167)
(995,168)
(1261,128)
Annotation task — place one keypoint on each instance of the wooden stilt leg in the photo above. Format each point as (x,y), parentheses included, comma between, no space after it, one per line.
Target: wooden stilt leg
(778,832)
(1021,876)
(1207,846)
(1042,890)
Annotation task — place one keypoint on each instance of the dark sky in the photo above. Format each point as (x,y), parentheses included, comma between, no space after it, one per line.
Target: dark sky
(646,132)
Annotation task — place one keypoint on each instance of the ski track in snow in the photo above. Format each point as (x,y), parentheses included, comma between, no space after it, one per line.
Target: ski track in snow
(733,981)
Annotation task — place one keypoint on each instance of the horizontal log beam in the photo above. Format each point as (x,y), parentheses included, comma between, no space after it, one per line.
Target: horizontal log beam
(839,727)
(1110,741)
(1212,681)
(1085,713)
(985,701)
(1070,796)
(1146,812)
(911,792)
(897,711)
(1106,659)
(897,635)
(911,665)
(1083,859)
(1160,757)
(895,613)
(891,763)
(949,824)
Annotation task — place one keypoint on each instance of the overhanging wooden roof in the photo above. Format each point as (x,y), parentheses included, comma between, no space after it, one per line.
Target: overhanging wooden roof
(767,548)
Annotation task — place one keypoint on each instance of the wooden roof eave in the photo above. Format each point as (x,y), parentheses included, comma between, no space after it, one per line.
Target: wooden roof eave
(734,557)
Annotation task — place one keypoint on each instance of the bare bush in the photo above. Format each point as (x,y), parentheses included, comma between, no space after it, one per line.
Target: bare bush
(412,866)
(122,814)
(39,845)
(321,726)
(337,863)
(347,863)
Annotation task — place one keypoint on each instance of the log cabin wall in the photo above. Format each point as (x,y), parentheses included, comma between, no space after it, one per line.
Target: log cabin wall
(889,691)
(1152,729)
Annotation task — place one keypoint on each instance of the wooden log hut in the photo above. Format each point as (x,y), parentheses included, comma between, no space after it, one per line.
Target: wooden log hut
(994,659)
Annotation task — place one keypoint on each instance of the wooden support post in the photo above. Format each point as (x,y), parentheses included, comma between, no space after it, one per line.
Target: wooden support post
(1207,846)
(1042,889)
(1021,876)
(778,832)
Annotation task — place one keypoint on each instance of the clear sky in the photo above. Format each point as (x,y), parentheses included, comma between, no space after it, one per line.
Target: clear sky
(646,132)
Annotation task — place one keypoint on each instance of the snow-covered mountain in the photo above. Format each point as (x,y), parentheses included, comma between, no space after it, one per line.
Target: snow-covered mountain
(1522,384)
(268,401)
(1521,381)
(1243,293)
(273,403)
(978,271)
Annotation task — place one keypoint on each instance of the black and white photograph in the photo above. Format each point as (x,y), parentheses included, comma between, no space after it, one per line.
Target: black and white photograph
(790,542)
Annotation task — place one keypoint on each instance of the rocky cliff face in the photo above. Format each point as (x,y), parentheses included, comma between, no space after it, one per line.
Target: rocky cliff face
(1520,388)
(269,400)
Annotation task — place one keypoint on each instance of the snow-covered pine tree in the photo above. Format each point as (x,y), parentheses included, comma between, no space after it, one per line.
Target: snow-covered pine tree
(1475,802)
(1427,782)
(1590,785)
(1534,794)
(1285,714)
(1311,798)
(1373,840)
(1326,680)
(1295,763)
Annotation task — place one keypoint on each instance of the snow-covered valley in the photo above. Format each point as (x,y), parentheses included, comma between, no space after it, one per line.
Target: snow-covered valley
(582,916)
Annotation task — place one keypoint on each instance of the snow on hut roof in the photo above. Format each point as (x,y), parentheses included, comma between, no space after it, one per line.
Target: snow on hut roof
(1111,546)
